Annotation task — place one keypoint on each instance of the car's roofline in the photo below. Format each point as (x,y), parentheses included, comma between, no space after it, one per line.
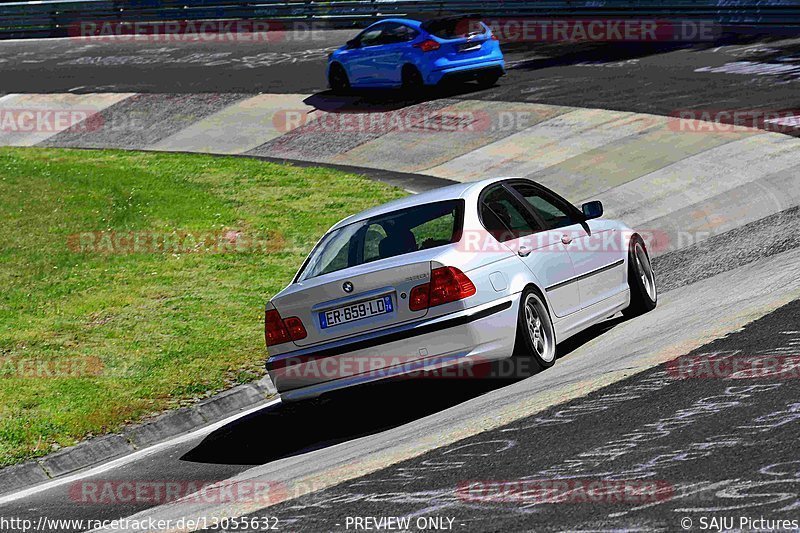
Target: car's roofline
(416,24)
(451,192)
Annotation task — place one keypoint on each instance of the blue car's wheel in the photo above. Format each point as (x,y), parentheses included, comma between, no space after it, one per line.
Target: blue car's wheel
(338,80)
(412,80)
(488,79)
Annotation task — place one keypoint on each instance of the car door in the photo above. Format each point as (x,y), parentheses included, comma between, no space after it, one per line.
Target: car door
(388,57)
(507,218)
(359,60)
(598,262)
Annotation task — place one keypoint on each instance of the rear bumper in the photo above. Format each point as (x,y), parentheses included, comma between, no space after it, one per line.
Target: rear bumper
(466,72)
(480,334)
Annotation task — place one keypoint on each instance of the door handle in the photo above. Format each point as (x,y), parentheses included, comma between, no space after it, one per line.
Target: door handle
(566,239)
(524,251)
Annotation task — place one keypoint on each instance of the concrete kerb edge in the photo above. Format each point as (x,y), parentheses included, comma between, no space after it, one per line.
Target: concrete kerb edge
(408,181)
(136,437)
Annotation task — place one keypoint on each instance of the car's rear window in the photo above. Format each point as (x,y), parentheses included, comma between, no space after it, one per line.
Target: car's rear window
(389,235)
(454,28)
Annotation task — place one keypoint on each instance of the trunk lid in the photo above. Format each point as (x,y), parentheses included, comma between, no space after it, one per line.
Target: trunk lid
(461,37)
(378,299)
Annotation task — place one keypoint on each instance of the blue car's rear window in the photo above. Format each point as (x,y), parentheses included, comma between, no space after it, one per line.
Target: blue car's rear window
(454,27)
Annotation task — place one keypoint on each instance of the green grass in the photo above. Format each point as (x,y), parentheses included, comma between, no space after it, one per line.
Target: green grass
(156,329)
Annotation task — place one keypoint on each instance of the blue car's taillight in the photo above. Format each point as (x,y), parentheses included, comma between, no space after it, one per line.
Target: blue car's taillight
(428,46)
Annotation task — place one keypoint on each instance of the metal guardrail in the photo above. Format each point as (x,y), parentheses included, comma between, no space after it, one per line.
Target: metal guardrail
(53,18)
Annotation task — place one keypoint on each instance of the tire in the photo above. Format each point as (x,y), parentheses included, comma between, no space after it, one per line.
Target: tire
(338,80)
(488,80)
(641,279)
(412,81)
(535,345)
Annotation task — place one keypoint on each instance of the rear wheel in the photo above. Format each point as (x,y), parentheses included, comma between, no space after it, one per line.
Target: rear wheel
(488,79)
(535,346)
(338,80)
(412,81)
(641,279)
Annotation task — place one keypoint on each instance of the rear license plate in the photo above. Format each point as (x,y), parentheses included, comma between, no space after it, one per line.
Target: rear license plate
(354,312)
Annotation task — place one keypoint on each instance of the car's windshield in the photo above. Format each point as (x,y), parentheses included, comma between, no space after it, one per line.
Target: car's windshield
(389,235)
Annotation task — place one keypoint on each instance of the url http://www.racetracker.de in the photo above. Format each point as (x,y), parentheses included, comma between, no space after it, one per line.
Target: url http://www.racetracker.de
(210,523)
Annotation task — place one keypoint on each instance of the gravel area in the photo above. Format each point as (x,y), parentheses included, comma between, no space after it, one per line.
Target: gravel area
(318,141)
(142,120)
(766,237)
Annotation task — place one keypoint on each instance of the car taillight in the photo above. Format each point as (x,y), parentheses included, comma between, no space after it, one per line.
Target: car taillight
(428,46)
(279,331)
(448,284)
(419,297)
(296,329)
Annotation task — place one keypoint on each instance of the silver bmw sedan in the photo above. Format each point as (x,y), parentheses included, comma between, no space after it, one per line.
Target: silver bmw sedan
(466,274)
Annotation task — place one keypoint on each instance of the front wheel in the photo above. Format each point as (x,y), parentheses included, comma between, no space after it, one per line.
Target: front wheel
(641,279)
(338,80)
(536,336)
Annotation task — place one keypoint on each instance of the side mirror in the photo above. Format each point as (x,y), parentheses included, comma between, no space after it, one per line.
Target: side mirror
(592,209)
(353,43)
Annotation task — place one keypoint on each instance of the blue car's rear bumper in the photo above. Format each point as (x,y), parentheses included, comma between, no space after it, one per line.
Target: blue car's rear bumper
(468,71)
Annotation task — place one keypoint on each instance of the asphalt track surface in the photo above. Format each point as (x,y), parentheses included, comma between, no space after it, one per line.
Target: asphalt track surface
(709,446)
(734,452)
(743,73)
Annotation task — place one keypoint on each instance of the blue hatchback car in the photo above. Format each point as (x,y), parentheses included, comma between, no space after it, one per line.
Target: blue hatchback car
(411,54)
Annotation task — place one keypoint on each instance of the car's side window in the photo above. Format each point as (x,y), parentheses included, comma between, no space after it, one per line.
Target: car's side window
(504,216)
(550,209)
(398,33)
(372,37)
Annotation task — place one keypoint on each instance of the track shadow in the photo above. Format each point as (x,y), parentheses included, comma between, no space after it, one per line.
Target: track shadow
(548,55)
(385,100)
(575,342)
(285,430)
